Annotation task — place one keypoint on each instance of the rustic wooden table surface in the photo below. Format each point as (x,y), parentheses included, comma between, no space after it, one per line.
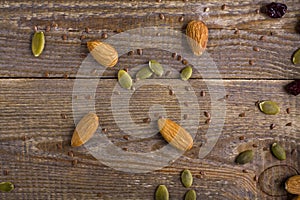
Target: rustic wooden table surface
(37,99)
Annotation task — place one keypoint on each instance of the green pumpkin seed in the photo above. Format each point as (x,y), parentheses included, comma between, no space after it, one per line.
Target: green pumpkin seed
(186,178)
(156,67)
(296,57)
(245,157)
(125,79)
(278,151)
(38,43)
(269,107)
(144,73)
(190,195)
(186,73)
(162,193)
(6,187)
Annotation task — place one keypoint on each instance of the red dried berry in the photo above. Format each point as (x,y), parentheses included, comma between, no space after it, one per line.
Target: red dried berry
(275,10)
(293,87)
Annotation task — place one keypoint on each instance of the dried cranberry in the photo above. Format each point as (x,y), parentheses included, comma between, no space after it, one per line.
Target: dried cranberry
(293,87)
(275,10)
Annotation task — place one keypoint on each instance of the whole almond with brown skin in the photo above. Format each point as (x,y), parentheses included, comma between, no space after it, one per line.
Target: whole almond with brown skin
(174,134)
(197,33)
(292,185)
(85,129)
(103,53)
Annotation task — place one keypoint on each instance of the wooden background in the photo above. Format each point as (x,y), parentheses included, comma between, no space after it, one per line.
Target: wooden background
(36,119)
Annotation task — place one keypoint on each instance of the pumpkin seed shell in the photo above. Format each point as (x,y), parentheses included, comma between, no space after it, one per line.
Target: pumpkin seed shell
(296,57)
(245,157)
(156,67)
(186,178)
(162,193)
(190,195)
(278,151)
(6,186)
(144,73)
(125,79)
(269,107)
(38,43)
(186,73)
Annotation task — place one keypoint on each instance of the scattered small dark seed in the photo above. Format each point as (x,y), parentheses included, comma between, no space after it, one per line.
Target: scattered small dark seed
(46,74)
(245,171)
(118,30)
(71,154)
(82,37)
(147,120)
(74,162)
(289,124)
(181,19)
(126,137)
(206,9)
(199,176)
(104,130)
(223,7)
(133,88)
(174,55)
(64,37)
(124,149)
(184,61)
(251,62)
(265,149)
(139,51)
(59,146)
(207,121)
(262,38)
(161,16)
(171,92)
(167,73)
(179,57)
(206,114)
(48,28)
(242,137)
(255,49)
(202,93)
(242,115)
(255,145)
(255,178)
(5,172)
(237,32)
(257,11)
(185,116)
(24,138)
(288,110)
(293,151)
(63,116)
(126,69)
(35,28)
(130,53)
(104,35)
(158,34)
(66,75)
(188,88)
(87,30)
(272,126)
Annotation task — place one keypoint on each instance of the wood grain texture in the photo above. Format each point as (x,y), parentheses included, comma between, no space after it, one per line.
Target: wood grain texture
(231,52)
(37,124)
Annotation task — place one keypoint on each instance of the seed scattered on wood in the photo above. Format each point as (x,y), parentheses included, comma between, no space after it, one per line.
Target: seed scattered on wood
(265,149)
(289,124)
(202,93)
(82,37)
(59,146)
(188,88)
(66,75)
(5,172)
(161,16)
(158,34)
(130,53)
(206,114)
(162,193)
(181,19)
(184,61)
(206,9)
(272,126)
(185,116)
(64,37)
(139,51)
(147,120)
(242,114)
(71,154)
(63,116)
(171,92)
(294,151)
(293,87)
(245,157)
(278,151)
(167,73)
(6,187)
(174,55)
(87,30)
(251,62)
(242,137)
(186,178)
(255,145)
(237,32)
(256,49)
(262,38)
(275,10)
(104,35)
(46,74)
(223,7)
(74,162)
(118,30)
(125,149)
(207,121)
(245,171)
(257,11)
(48,28)
(179,57)
(126,137)
(288,110)
(255,178)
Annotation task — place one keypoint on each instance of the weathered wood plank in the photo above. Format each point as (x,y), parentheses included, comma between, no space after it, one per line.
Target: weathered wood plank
(37,123)
(231,52)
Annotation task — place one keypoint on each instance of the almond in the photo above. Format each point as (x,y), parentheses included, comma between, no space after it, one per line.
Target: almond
(292,185)
(197,33)
(174,134)
(85,129)
(103,53)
